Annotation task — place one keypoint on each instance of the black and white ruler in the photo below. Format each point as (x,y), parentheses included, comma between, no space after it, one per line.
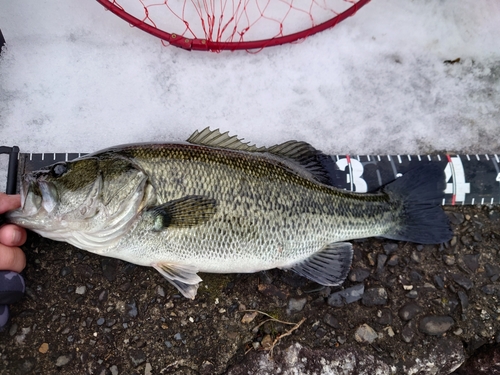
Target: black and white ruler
(470,179)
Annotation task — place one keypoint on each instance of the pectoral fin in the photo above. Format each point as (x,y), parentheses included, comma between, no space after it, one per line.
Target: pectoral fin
(183,277)
(185,212)
(329,266)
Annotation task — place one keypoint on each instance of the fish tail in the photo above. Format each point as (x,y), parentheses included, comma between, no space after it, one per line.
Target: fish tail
(419,194)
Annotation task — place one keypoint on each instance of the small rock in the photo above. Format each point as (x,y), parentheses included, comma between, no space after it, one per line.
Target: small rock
(266,342)
(416,257)
(435,325)
(492,271)
(168,344)
(489,289)
(412,294)
(393,260)
(114,370)
(374,297)
(148,370)
(63,360)
(160,291)
(408,332)
(249,317)
(131,309)
(44,348)
(137,356)
(65,271)
(449,259)
(100,321)
(331,321)
(390,331)
(389,248)
(464,301)
(359,274)
(438,280)
(348,295)
(365,334)
(178,336)
(384,317)
(81,289)
(471,261)
(462,280)
(456,218)
(381,259)
(296,305)
(409,311)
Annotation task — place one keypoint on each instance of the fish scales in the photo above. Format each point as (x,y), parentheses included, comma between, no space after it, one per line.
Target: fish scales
(217,204)
(253,194)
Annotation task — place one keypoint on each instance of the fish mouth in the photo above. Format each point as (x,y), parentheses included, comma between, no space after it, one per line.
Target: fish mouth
(37,194)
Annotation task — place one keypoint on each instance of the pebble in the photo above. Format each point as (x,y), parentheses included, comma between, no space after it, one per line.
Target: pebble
(65,271)
(464,300)
(100,321)
(449,260)
(359,274)
(365,334)
(409,311)
(81,289)
(160,291)
(374,297)
(178,336)
(137,356)
(44,348)
(412,294)
(384,317)
(131,309)
(408,332)
(489,289)
(296,305)
(435,325)
(148,370)
(492,271)
(389,248)
(63,360)
(266,342)
(471,261)
(438,280)
(462,280)
(393,260)
(249,317)
(348,295)
(416,256)
(331,321)
(114,370)
(381,259)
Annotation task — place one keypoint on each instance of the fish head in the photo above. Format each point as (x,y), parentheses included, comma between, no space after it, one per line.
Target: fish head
(89,202)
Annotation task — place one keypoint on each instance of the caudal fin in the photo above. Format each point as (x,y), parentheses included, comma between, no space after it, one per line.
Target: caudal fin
(420,192)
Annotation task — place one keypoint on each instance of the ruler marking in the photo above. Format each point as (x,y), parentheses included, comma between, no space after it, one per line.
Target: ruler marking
(472,201)
(482,200)
(487,157)
(478,158)
(399,159)
(496,157)
(468,157)
(409,157)
(419,158)
(439,157)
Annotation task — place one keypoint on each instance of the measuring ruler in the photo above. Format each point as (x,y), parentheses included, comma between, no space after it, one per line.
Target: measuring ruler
(470,179)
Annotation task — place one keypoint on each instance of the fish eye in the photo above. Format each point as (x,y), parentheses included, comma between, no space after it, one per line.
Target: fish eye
(59,169)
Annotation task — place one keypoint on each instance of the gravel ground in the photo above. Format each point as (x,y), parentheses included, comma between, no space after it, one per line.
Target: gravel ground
(405,308)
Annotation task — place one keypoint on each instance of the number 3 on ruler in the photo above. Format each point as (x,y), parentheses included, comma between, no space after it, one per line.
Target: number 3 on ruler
(355,172)
(454,169)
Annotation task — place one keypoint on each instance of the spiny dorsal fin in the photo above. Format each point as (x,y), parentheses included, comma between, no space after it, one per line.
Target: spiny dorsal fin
(299,153)
(214,138)
(185,212)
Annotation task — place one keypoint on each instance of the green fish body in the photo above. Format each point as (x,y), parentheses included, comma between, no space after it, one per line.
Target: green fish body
(216,204)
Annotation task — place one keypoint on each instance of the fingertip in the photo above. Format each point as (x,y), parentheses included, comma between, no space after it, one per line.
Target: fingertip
(12,235)
(12,259)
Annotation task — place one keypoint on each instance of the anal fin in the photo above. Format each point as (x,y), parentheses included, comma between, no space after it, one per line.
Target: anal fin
(183,277)
(329,266)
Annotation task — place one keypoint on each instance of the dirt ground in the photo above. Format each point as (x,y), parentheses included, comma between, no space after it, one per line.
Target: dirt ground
(85,314)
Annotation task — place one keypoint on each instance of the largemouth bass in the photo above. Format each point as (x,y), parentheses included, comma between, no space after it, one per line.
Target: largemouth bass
(217,204)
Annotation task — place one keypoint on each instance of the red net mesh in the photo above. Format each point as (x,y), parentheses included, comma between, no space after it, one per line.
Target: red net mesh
(225,24)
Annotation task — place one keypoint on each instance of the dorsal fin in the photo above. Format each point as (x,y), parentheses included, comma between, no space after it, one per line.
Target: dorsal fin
(301,154)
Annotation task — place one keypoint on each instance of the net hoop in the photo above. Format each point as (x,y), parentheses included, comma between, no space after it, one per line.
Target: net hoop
(198,44)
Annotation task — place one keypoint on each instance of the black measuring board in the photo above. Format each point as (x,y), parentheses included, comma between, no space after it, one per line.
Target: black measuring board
(470,179)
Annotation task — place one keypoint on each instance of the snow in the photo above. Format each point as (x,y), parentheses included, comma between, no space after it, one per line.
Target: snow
(75,77)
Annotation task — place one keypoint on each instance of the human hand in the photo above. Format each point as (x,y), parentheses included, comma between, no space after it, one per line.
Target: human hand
(12,259)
